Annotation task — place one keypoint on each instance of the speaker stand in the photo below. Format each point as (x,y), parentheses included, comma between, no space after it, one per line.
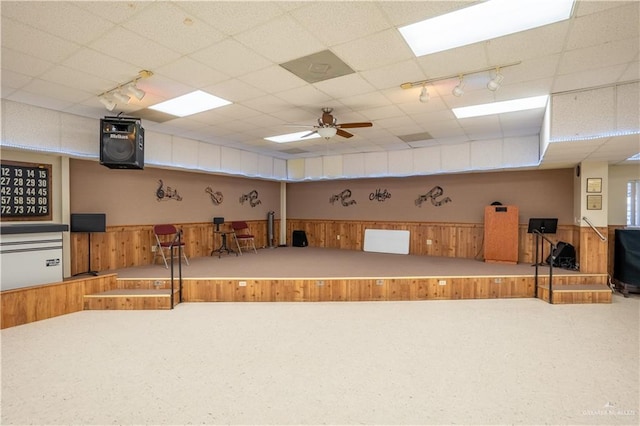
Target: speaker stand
(89,271)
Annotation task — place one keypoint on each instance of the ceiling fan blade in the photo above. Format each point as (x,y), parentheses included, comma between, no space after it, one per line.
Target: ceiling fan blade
(343,133)
(353,125)
(308,134)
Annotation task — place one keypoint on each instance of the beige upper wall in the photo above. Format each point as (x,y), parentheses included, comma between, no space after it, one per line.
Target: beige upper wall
(128,197)
(546,193)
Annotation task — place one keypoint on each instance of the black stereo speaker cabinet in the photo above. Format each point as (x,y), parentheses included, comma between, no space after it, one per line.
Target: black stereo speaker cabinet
(121,143)
(564,256)
(299,239)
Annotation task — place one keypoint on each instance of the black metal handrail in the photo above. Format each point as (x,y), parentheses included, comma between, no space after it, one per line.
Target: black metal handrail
(552,249)
(176,243)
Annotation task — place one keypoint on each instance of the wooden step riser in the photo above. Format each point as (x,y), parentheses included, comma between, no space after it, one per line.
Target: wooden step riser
(576,297)
(126,303)
(573,280)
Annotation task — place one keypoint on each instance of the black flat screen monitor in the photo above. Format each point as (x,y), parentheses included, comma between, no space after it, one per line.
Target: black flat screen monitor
(544,225)
(88,222)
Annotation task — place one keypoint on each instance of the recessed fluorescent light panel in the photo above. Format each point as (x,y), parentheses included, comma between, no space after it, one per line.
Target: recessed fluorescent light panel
(189,104)
(483,21)
(292,137)
(634,157)
(501,107)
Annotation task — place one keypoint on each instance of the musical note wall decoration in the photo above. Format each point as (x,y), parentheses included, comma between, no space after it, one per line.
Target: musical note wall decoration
(379,195)
(432,196)
(166,193)
(343,197)
(251,197)
(216,196)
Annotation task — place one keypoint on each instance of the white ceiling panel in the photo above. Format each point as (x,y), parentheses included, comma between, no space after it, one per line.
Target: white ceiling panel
(62,55)
(169,25)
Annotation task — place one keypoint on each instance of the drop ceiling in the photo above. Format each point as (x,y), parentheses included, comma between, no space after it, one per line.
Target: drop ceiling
(61,55)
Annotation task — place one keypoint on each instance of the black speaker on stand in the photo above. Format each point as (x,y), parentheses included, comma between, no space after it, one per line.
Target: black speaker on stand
(121,143)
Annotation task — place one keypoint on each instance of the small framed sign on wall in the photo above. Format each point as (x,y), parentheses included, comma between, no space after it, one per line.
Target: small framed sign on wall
(594,202)
(26,191)
(594,185)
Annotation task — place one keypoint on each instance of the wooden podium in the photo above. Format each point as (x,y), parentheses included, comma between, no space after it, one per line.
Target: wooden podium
(501,234)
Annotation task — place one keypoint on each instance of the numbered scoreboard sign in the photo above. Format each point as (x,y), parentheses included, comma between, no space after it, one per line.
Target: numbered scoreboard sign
(25,190)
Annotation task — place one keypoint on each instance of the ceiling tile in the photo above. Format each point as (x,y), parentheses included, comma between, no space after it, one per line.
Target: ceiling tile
(200,75)
(134,49)
(172,27)
(231,57)
(275,40)
(18,36)
(610,25)
(79,25)
(340,18)
(374,51)
(233,17)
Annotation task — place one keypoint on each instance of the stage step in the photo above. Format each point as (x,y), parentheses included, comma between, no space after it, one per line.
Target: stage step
(576,293)
(130,299)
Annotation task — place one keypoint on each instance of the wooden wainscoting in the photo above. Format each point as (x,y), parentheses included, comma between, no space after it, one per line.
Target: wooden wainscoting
(460,240)
(127,246)
(29,304)
(355,289)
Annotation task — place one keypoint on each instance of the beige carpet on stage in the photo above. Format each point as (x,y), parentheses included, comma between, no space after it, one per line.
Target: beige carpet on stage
(311,262)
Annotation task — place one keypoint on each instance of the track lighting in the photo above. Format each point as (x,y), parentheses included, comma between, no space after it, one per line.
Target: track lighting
(495,82)
(120,93)
(107,102)
(424,94)
(135,91)
(459,89)
(121,97)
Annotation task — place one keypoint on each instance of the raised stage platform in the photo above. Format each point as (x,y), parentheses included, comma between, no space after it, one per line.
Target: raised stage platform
(318,274)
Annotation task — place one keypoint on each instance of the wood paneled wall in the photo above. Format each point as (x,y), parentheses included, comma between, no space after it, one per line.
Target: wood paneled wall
(128,246)
(594,253)
(361,289)
(25,305)
(459,240)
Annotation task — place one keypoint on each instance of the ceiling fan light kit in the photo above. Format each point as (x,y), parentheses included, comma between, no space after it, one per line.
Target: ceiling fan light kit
(327,132)
(328,125)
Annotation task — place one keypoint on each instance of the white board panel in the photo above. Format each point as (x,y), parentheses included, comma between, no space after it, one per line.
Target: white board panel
(386,241)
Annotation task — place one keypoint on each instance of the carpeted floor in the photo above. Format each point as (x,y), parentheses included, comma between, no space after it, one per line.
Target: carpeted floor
(484,362)
(312,262)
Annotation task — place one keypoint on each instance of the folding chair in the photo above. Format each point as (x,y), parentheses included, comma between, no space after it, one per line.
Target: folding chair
(244,239)
(166,236)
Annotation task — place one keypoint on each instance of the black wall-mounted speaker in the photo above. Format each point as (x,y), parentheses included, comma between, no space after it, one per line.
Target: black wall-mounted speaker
(121,143)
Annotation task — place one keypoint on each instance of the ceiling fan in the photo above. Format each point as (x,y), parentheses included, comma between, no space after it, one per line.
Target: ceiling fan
(328,126)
